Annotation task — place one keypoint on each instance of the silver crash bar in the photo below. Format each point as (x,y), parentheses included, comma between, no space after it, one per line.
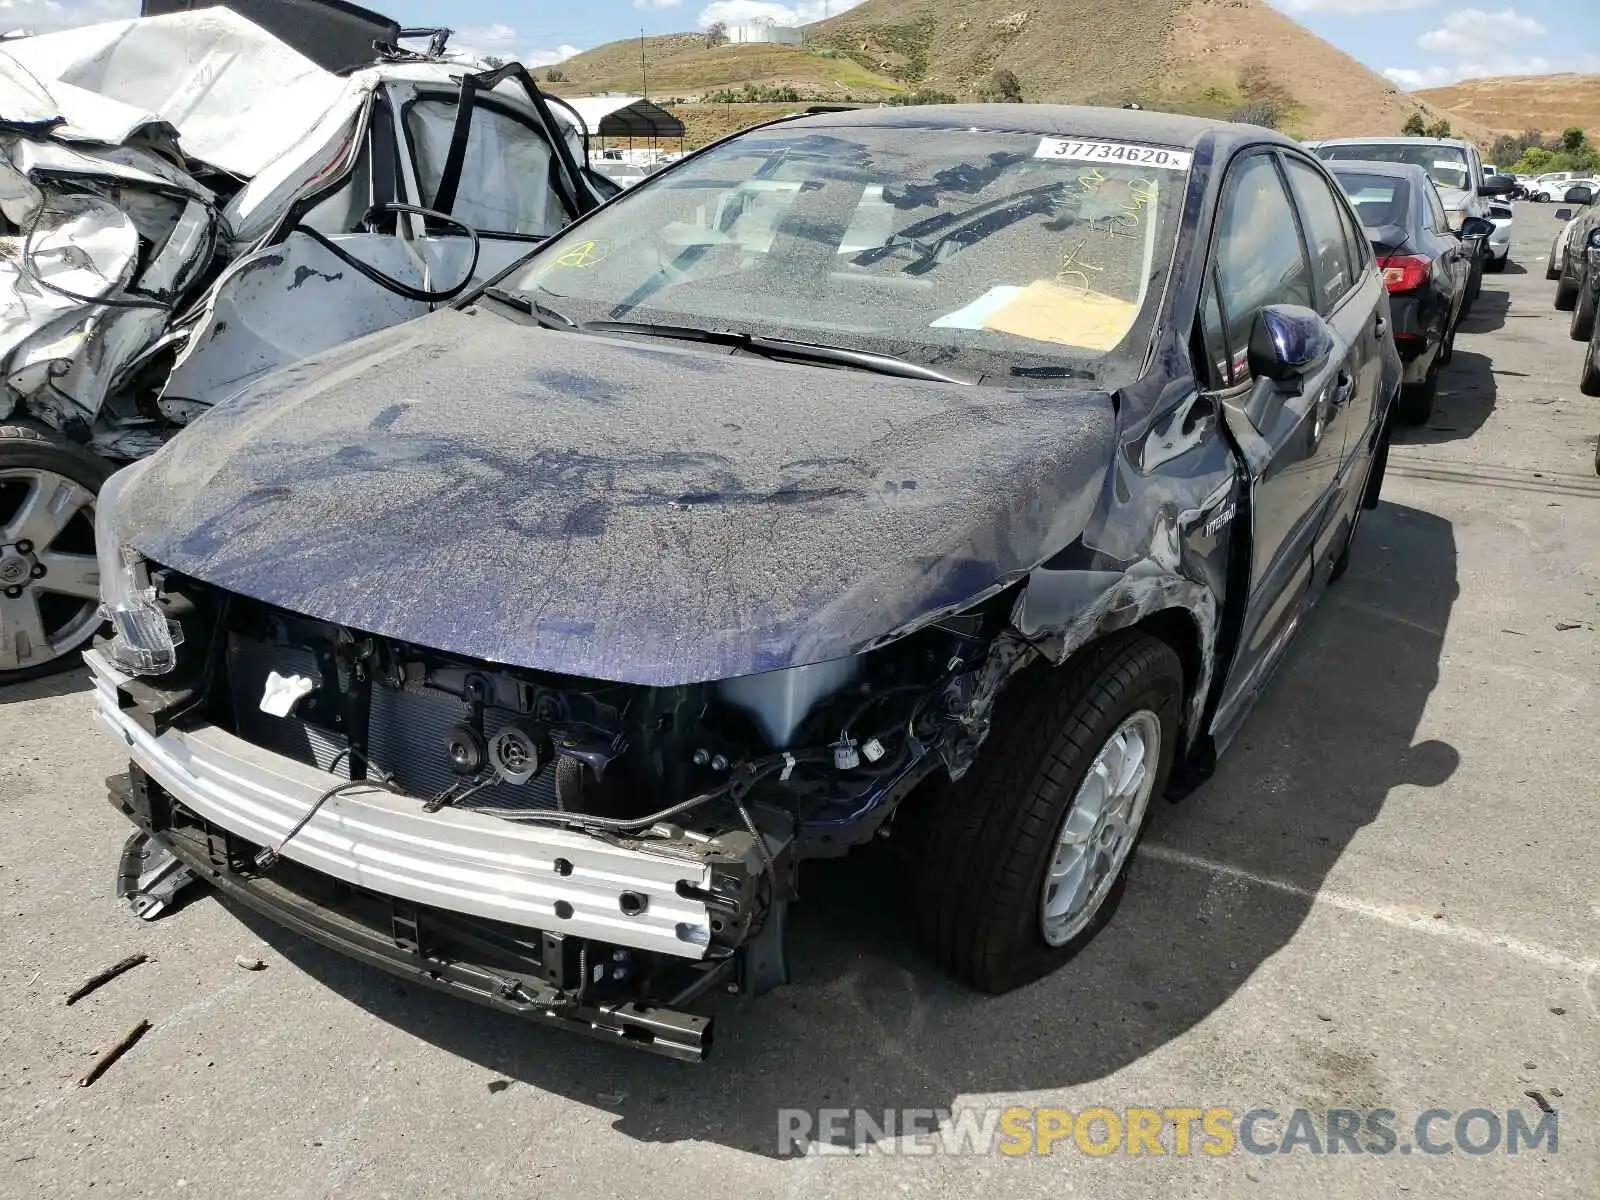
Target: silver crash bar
(460,861)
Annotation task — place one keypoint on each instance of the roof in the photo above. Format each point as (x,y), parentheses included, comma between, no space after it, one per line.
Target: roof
(1455,143)
(625,116)
(1124,124)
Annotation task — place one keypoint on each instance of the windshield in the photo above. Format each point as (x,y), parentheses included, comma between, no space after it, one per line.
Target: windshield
(1379,199)
(1005,255)
(1446,165)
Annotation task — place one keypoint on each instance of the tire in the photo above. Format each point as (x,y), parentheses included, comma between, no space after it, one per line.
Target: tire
(1566,295)
(1551,269)
(1583,314)
(34,459)
(989,842)
(1447,351)
(1589,380)
(1495,265)
(1416,399)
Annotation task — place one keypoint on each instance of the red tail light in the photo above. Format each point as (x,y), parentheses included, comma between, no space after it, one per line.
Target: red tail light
(1404,272)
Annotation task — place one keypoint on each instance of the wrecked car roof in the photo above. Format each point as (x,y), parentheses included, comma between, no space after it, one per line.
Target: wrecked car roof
(611,509)
(1122,124)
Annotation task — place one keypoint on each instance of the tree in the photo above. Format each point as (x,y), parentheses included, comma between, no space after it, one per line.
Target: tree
(1415,126)
(1534,161)
(1003,87)
(1257,112)
(717,33)
(1439,129)
(1572,139)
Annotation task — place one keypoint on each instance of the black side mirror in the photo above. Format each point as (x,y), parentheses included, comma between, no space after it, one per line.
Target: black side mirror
(1563,214)
(1578,195)
(1497,185)
(1288,342)
(1476,227)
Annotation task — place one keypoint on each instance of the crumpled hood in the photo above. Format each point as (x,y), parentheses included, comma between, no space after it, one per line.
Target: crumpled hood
(613,508)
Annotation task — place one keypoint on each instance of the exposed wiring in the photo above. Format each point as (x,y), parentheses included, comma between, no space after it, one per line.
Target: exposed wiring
(399,288)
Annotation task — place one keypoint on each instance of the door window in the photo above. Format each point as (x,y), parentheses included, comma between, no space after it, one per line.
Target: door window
(1260,257)
(1325,231)
(506,177)
(1437,221)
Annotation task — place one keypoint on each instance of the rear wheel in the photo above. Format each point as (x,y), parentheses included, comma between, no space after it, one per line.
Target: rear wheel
(1566,295)
(1024,861)
(49,579)
(1552,269)
(1583,313)
(1589,381)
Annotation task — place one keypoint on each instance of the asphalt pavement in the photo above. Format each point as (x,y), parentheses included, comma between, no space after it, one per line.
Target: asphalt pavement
(1388,898)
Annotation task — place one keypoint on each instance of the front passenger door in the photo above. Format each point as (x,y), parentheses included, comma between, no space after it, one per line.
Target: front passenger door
(1259,258)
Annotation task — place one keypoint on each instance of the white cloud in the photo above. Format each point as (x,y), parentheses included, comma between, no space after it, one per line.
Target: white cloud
(502,41)
(1471,31)
(656,3)
(1411,78)
(47,16)
(1349,7)
(744,12)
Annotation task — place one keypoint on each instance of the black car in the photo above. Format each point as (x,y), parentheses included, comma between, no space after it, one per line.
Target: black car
(957,471)
(1576,215)
(1425,264)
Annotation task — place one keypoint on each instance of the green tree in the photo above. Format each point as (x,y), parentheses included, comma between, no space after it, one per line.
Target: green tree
(1003,87)
(1534,161)
(1572,139)
(1439,129)
(1415,126)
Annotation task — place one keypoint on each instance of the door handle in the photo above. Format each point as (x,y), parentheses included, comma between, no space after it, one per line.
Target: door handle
(1344,389)
(1380,326)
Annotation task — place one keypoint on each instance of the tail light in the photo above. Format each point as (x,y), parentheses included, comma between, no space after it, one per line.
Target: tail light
(1404,272)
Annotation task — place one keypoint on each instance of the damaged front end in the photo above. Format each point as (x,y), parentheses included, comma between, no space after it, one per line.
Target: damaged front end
(595,855)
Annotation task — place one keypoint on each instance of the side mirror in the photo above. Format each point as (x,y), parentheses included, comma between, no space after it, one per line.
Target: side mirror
(1288,342)
(1476,227)
(1578,195)
(1497,185)
(1563,214)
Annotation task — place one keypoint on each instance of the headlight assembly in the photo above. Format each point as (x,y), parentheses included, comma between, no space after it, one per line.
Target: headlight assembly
(145,641)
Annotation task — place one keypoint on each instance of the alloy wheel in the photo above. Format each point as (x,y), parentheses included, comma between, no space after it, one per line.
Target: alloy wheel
(49,578)
(1100,828)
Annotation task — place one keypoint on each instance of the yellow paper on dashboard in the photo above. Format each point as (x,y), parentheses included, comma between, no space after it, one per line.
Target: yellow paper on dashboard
(1048,312)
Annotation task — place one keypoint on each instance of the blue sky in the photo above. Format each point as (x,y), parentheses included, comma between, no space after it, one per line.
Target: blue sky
(1417,43)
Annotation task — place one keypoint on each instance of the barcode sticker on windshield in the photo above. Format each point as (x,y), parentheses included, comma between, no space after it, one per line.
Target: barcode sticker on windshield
(1071,149)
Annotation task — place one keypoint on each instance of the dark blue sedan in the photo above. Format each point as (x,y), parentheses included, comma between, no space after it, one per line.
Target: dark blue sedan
(966,468)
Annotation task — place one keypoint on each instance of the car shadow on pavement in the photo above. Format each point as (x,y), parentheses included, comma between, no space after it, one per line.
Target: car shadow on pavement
(869,1021)
(1488,313)
(1512,268)
(1467,395)
(51,687)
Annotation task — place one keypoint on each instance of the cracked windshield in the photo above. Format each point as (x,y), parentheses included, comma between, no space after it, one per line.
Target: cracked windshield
(1008,256)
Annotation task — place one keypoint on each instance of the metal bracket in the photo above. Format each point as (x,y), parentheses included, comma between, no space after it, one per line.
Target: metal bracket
(764,958)
(150,875)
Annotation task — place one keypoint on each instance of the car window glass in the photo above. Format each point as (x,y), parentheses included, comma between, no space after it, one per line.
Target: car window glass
(505,179)
(1355,241)
(1437,220)
(1260,259)
(1324,231)
(1214,339)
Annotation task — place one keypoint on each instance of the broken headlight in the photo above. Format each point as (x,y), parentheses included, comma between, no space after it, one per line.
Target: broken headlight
(144,641)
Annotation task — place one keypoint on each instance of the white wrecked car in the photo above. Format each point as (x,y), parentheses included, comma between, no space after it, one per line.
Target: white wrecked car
(190,202)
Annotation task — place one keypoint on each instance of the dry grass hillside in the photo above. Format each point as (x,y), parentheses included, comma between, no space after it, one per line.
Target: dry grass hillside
(1209,57)
(1516,103)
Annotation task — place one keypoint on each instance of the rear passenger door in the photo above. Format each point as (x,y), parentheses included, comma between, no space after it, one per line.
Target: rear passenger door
(1259,258)
(1351,298)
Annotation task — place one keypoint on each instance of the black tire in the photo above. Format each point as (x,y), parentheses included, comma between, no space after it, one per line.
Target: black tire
(27,445)
(1475,282)
(1552,269)
(1495,265)
(1583,313)
(1416,399)
(1589,379)
(1566,295)
(1447,349)
(987,843)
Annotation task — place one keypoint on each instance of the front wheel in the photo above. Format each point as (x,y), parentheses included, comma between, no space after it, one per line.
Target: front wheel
(49,578)
(1589,381)
(1025,859)
(1566,295)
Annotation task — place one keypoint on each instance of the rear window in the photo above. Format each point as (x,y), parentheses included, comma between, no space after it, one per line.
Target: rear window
(1378,199)
(1445,165)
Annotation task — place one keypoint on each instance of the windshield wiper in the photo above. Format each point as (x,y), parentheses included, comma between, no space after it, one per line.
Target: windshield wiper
(548,318)
(785,350)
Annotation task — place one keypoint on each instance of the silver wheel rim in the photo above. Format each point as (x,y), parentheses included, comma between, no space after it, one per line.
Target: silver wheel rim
(1100,828)
(49,579)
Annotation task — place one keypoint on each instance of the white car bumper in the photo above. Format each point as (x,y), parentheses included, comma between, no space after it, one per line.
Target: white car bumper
(1500,241)
(540,877)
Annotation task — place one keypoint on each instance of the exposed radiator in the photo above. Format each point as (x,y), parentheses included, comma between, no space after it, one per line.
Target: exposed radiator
(407,733)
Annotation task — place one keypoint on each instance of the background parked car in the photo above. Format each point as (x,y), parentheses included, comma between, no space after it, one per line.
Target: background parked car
(1565,260)
(1426,267)
(1503,217)
(1456,168)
